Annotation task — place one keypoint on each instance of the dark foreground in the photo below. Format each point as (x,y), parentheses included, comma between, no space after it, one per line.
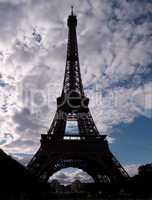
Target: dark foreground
(16,183)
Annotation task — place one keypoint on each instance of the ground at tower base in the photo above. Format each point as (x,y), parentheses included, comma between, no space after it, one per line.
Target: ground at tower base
(17,183)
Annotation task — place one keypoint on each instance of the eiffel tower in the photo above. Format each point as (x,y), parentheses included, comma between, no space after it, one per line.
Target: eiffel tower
(73,139)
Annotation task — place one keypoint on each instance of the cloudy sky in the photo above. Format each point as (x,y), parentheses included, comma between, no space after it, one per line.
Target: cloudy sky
(115,40)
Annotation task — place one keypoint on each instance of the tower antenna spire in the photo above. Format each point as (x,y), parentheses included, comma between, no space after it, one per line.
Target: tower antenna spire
(72,9)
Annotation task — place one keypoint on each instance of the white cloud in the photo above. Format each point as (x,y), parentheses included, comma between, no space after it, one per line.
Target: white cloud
(69,175)
(132,169)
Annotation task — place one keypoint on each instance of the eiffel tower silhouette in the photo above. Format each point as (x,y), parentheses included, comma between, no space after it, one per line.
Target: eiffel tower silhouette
(73,139)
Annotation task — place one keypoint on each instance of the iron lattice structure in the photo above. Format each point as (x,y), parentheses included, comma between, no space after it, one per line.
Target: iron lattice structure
(83,147)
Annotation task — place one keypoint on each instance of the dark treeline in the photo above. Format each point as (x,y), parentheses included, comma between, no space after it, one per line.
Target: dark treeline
(16,183)
(141,184)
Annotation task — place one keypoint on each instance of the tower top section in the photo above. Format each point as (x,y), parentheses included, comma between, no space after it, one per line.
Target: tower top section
(72,19)
(72,78)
